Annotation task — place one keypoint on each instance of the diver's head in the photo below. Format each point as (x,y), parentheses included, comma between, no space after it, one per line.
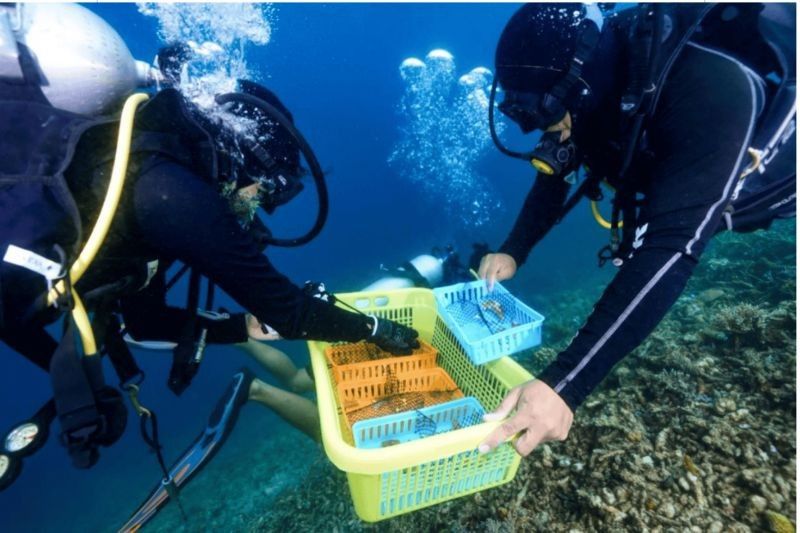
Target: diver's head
(550,63)
(269,172)
(541,59)
(272,159)
(171,61)
(73,56)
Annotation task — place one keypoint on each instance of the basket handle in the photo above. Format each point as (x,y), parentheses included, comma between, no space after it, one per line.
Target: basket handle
(367,302)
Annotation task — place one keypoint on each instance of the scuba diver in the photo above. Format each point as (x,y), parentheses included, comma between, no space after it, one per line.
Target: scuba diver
(688,112)
(179,185)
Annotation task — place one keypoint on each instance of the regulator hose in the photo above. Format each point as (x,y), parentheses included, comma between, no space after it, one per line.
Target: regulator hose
(316,171)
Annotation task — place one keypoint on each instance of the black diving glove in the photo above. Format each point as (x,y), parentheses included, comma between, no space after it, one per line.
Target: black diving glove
(393,337)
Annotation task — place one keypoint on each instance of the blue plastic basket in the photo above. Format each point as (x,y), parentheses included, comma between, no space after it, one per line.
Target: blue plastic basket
(411,425)
(489,325)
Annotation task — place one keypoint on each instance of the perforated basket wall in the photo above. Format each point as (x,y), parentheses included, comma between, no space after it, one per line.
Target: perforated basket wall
(417,423)
(400,478)
(363,361)
(368,398)
(488,325)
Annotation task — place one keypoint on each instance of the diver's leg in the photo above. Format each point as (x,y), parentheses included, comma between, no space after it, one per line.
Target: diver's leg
(295,409)
(279,364)
(302,381)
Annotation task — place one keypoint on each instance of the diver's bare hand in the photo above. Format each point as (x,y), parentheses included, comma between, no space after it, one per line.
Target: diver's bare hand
(541,416)
(260,332)
(496,267)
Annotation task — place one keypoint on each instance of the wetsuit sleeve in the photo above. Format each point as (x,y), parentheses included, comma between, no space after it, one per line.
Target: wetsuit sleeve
(538,216)
(148,317)
(181,216)
(700,133)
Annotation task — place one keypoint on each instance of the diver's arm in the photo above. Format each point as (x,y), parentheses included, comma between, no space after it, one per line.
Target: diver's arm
(699,144)
(538,216)
(148,317)
(182,216)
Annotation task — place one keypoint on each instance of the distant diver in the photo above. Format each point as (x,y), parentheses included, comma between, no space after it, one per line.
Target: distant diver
(688,111)
(96,206)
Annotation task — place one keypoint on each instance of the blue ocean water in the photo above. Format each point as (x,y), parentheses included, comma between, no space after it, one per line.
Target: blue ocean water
(337,68)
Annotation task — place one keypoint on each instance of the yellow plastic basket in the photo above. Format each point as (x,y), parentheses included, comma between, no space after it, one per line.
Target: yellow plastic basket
(409,476)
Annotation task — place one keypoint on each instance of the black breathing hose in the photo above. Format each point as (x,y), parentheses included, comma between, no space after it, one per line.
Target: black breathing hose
(316,171)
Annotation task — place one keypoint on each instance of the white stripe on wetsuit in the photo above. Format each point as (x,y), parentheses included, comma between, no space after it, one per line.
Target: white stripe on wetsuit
(663,270)
(779,132)
(628,310)
(735,172)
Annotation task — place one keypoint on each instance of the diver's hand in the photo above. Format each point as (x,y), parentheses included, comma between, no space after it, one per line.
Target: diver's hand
(496,267)
(541,416)
(260,332)
(393,337)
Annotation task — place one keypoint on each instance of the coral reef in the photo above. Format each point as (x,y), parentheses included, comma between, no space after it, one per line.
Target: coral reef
(695,431)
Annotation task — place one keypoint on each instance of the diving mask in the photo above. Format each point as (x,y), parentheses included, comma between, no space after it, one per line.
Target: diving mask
(532,111)
(278,189)
(555,152)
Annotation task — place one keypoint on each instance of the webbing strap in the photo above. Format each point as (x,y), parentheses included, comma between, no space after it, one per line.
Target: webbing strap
(74,380)
(587,41)
(120,355)
(184,367)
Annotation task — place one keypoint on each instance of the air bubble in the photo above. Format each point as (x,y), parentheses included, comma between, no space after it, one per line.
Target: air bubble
(411,68)
(219,35)
(444,134)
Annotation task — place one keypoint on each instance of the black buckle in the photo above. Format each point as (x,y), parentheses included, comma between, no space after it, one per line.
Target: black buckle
(135,381)
(81,443)
(594,192)
(604,255)
(64,301)
(186,363)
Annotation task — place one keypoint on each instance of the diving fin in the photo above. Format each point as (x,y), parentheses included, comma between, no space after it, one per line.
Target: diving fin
(197,455)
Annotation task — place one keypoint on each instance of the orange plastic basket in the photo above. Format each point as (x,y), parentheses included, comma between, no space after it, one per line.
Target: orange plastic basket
(358,394)
(363,360)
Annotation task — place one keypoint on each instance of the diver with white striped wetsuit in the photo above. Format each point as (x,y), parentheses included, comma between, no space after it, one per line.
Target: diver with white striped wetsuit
(657,102)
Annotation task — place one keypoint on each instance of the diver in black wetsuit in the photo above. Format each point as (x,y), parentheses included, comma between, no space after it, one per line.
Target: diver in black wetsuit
(193,185)
(563,74)
(170,212)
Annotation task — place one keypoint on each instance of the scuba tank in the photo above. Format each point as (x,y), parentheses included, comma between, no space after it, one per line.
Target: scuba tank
(423,270)
(81,63)
(59,66)
(440,267)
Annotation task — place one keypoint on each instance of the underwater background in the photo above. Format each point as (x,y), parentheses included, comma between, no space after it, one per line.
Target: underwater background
(695,429)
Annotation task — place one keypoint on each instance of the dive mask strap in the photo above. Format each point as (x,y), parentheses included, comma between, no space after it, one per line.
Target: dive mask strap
(551,107)
(493,130)
(553,101)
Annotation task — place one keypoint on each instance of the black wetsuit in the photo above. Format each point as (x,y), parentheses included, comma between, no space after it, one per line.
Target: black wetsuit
(698,137)
(169,213)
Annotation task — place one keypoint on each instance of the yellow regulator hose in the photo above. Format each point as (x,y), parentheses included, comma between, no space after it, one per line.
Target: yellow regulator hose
(100,230)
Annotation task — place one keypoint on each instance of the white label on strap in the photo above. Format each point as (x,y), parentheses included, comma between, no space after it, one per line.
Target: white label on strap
(213,315)
(34,262)
(152,269)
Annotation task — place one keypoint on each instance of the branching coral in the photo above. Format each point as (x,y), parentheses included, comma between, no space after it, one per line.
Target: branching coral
(744,322)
